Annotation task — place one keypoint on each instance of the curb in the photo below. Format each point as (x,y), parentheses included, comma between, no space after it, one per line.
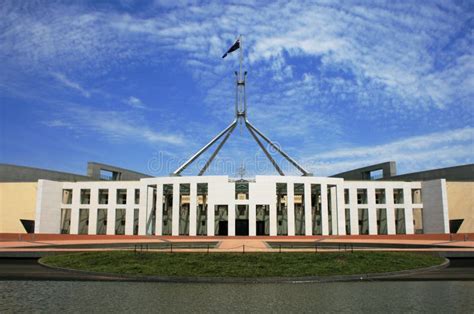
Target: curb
(100,276)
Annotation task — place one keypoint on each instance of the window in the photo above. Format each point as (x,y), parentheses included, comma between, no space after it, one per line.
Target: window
(83,221)
(416,196)
(381,221)
(137,196)
(346,196)
(67,196)
(102,221)
(85,196)
(120,221)
(103,196)
(400,220)
(121,196)
(348,221)
(363,221)
(379,196)
(65,224)
(398,196)
(418,220)
(201,217)
(361,196)
(282,211)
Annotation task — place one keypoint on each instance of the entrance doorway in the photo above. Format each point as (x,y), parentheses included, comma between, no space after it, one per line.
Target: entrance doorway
(242,227)
(223,228)
(261,228)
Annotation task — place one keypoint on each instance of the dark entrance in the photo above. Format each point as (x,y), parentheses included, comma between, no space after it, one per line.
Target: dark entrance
(260,228)
(222,228)
(242,227)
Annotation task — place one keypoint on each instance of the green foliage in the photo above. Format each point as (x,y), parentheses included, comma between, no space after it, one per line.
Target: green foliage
(242,265)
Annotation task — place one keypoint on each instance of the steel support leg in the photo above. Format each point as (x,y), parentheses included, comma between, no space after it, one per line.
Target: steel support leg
(208,163)
(202,150)
(265,151)
(291,160)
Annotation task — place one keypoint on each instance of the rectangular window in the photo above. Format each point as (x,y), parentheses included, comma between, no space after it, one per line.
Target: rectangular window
(67,196)
(102,221)
(263,219)
(120,221)
(121,196)
(346,196)
(201,217)
(221,214)
(361,196)
(65,221)
(400,220)
(298,189)
(103,196)
(184,196)
(379,196)
(85,196)
(136,216)
(418,220)
(137,196)
(83,221)
(316,208)
(381,221)
(348,221)
(282,208)
(416,196)
(363,221)
(398,196)
(167,209)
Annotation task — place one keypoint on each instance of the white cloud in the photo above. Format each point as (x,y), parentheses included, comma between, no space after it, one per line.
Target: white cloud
(112,125)
(135,102)
(428,151)
(71,84)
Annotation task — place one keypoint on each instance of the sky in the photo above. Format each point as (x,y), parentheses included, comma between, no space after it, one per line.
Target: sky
(142,84)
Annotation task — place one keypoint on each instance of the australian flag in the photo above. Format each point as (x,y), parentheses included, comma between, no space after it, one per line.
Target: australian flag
(234,47)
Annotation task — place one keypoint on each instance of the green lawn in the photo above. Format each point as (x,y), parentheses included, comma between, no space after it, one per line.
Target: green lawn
(242,265)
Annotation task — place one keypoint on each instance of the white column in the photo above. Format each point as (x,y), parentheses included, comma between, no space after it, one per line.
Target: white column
(93,211)
(409,227)
(291,208)
(372,212)
(192,209)
(159,210)
(354,212)
(390,211)
(324,209)
(273,218)
(210,219)
(129,211)
(143,210)
(231,219)
(76,200)
(341,210)
(176,201)
(308,223)
(252,219)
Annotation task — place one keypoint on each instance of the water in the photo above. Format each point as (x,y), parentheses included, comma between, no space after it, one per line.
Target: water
(375,297)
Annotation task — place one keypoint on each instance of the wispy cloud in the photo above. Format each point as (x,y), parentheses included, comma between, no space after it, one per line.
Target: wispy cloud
(433,150)
(112,125)
(135,102)
(71,84)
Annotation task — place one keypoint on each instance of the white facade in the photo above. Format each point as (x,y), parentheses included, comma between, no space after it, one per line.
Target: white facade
(307,206)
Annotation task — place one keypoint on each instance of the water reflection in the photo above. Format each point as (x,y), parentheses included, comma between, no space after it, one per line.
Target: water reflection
(391,297)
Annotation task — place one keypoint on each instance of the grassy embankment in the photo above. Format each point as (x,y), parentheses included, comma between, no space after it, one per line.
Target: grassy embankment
(242,265)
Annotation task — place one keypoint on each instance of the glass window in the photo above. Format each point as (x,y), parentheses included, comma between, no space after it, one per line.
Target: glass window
(346,196)
(167,209)
(83,221)
(381,221)
(201,217)
(102,221)
(363,221)
(416,196)
(85,196)
(263,219)
(184,191)
(398,196)
(299,209)
(103,196)
(65,221)
(137,196)
(120,221)
(379,196)
(348,221)
(282,209)
(400,220)
(221,220)
(121,196)
(136,216)
(67,196)
(316,208)
(361,196)
(241,190)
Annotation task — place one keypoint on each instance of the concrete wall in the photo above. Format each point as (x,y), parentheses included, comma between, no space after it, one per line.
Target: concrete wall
(14,173)
(435,206)
(47,215)
(93,171)
(458,173)
(389,169)
(461,204)
(17,201)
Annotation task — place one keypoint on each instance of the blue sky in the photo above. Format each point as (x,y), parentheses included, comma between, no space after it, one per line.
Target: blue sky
(142,85)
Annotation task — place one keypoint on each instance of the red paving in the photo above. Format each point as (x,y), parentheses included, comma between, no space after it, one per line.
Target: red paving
(12,242)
